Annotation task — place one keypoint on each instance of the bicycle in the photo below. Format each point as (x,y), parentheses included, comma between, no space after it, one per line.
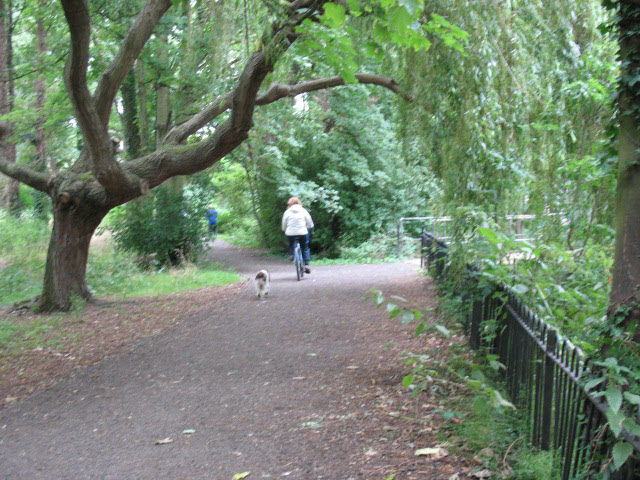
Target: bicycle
(297,260)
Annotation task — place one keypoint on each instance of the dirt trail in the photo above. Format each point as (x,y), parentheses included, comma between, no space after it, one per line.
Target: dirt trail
(287,387)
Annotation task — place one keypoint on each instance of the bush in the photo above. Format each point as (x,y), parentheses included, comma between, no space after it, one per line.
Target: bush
(165,229)
(23,247)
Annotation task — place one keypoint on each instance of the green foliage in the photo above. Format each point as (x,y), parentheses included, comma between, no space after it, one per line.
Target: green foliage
(345,165)
(400,24)
(23,246)
(487,423)
(163,230)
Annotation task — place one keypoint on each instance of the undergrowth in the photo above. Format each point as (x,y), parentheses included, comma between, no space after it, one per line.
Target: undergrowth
(478,421)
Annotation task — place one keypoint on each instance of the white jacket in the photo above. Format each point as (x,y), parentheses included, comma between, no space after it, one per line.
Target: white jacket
(296,221)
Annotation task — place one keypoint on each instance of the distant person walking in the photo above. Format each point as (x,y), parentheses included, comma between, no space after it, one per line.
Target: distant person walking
(296,223)
(212,219)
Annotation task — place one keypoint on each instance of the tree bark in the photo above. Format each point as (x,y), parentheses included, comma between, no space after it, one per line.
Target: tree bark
(10,197)
(163,101)
(65,273)
(130,117)
(145,139)
(625,289)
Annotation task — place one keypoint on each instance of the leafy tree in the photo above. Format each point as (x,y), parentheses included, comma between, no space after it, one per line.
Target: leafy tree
(96,182)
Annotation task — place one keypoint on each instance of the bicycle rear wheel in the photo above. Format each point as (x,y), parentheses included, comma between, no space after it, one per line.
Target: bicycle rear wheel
(297,259)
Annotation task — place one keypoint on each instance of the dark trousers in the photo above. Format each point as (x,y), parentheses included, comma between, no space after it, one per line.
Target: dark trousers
(304,246)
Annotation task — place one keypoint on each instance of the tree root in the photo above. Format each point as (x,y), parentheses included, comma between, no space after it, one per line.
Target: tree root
(23,306)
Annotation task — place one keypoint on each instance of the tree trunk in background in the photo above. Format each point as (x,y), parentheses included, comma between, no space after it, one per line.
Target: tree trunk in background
(163,106)
(130,117)
(626,270)
(143,125)
(10,197)
(40,160)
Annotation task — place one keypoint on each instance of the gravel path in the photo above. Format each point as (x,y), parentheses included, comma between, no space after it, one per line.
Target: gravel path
(283,387)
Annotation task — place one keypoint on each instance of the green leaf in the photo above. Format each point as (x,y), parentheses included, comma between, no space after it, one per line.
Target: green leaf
(592,383)
(520,289)
(632,427)
(412,6)
(334,14)
(632,398)
(443,330)
(240,476)
(354,7)
(489,235)
(408,380)
(615,421)
(420,329)
(614,398)
(407,317)
(399,19)
(500,401)
(621,452)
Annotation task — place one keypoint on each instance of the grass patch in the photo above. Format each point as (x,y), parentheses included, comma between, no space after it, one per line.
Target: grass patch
(110,273)
(20,335)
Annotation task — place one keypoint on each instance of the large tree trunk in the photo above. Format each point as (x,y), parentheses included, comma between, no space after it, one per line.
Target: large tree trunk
(65,273)
(626,272)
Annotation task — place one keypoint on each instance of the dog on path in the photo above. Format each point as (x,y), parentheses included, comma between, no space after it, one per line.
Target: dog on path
(261,283)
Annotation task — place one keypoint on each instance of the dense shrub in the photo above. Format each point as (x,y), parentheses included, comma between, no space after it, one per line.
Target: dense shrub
(163,229)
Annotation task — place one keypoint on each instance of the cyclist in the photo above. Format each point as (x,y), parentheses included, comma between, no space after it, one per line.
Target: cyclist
(296,223)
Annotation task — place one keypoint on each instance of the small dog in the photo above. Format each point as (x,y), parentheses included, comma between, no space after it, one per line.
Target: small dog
(262,283)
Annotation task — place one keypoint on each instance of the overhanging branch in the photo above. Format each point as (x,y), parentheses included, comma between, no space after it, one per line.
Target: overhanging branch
(275,93)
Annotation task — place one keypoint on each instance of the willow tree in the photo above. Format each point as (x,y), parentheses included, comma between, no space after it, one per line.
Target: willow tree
(97,182)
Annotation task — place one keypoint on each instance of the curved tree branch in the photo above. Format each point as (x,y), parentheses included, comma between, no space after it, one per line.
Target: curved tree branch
(185,160)
(77,15)
(134,42)
(37,180)
(276,92)
(101,160)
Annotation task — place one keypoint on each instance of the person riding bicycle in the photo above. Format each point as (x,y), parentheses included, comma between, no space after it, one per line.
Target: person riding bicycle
(296,223)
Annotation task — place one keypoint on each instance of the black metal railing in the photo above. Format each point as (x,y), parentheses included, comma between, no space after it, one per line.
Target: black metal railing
(544,376)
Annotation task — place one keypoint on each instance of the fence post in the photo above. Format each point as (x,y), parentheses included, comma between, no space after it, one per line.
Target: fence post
(422,243)
(476,320)
(400,229)
(547,401)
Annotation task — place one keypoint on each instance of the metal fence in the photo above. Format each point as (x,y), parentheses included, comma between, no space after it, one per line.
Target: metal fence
(518,225)
(543,377)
